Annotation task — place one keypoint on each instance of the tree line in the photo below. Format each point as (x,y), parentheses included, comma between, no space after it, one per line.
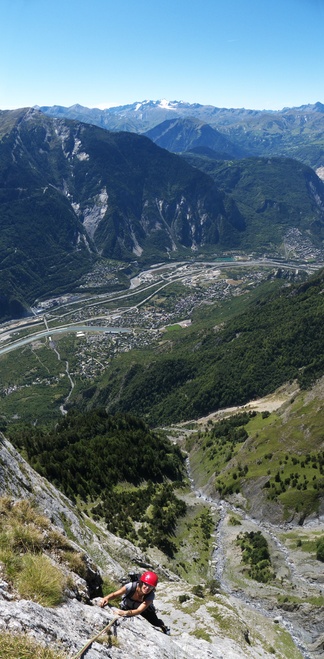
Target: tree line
(87,454)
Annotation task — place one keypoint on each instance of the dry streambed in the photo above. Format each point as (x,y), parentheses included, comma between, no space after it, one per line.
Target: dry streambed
(295,597)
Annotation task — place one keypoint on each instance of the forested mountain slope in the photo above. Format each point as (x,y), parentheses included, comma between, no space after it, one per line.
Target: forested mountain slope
(43,245)
(101,459)
(277,195)
(278,338)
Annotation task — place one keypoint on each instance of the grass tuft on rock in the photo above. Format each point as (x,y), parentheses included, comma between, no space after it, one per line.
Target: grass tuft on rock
(40,581)
(19,646)
(28,544)
(14,646)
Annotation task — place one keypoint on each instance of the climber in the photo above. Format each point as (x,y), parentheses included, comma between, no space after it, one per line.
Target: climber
(137,599)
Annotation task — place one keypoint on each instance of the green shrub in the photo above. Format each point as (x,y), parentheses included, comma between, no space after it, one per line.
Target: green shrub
(256,554)
(184,598)
(214,586)
(201,634)
(198,591)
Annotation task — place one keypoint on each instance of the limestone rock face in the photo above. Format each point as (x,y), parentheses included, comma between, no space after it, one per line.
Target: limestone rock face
(70,626)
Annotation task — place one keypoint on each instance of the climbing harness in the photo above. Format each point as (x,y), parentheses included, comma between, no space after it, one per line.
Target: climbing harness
(79,654)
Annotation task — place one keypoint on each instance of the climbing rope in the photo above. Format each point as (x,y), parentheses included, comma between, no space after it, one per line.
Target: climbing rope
(79,654)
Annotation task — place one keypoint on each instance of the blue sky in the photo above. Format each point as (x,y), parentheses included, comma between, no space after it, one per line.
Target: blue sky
(101,53)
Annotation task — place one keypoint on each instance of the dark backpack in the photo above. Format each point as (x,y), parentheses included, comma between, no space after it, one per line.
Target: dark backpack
(131,576)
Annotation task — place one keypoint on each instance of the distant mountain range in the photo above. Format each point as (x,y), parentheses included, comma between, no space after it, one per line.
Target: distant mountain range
(72,194)
(293,132)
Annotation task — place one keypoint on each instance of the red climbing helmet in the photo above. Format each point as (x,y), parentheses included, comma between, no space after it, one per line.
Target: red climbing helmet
(150,578)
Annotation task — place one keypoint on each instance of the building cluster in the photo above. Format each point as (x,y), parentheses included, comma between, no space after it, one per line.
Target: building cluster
(150,321)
